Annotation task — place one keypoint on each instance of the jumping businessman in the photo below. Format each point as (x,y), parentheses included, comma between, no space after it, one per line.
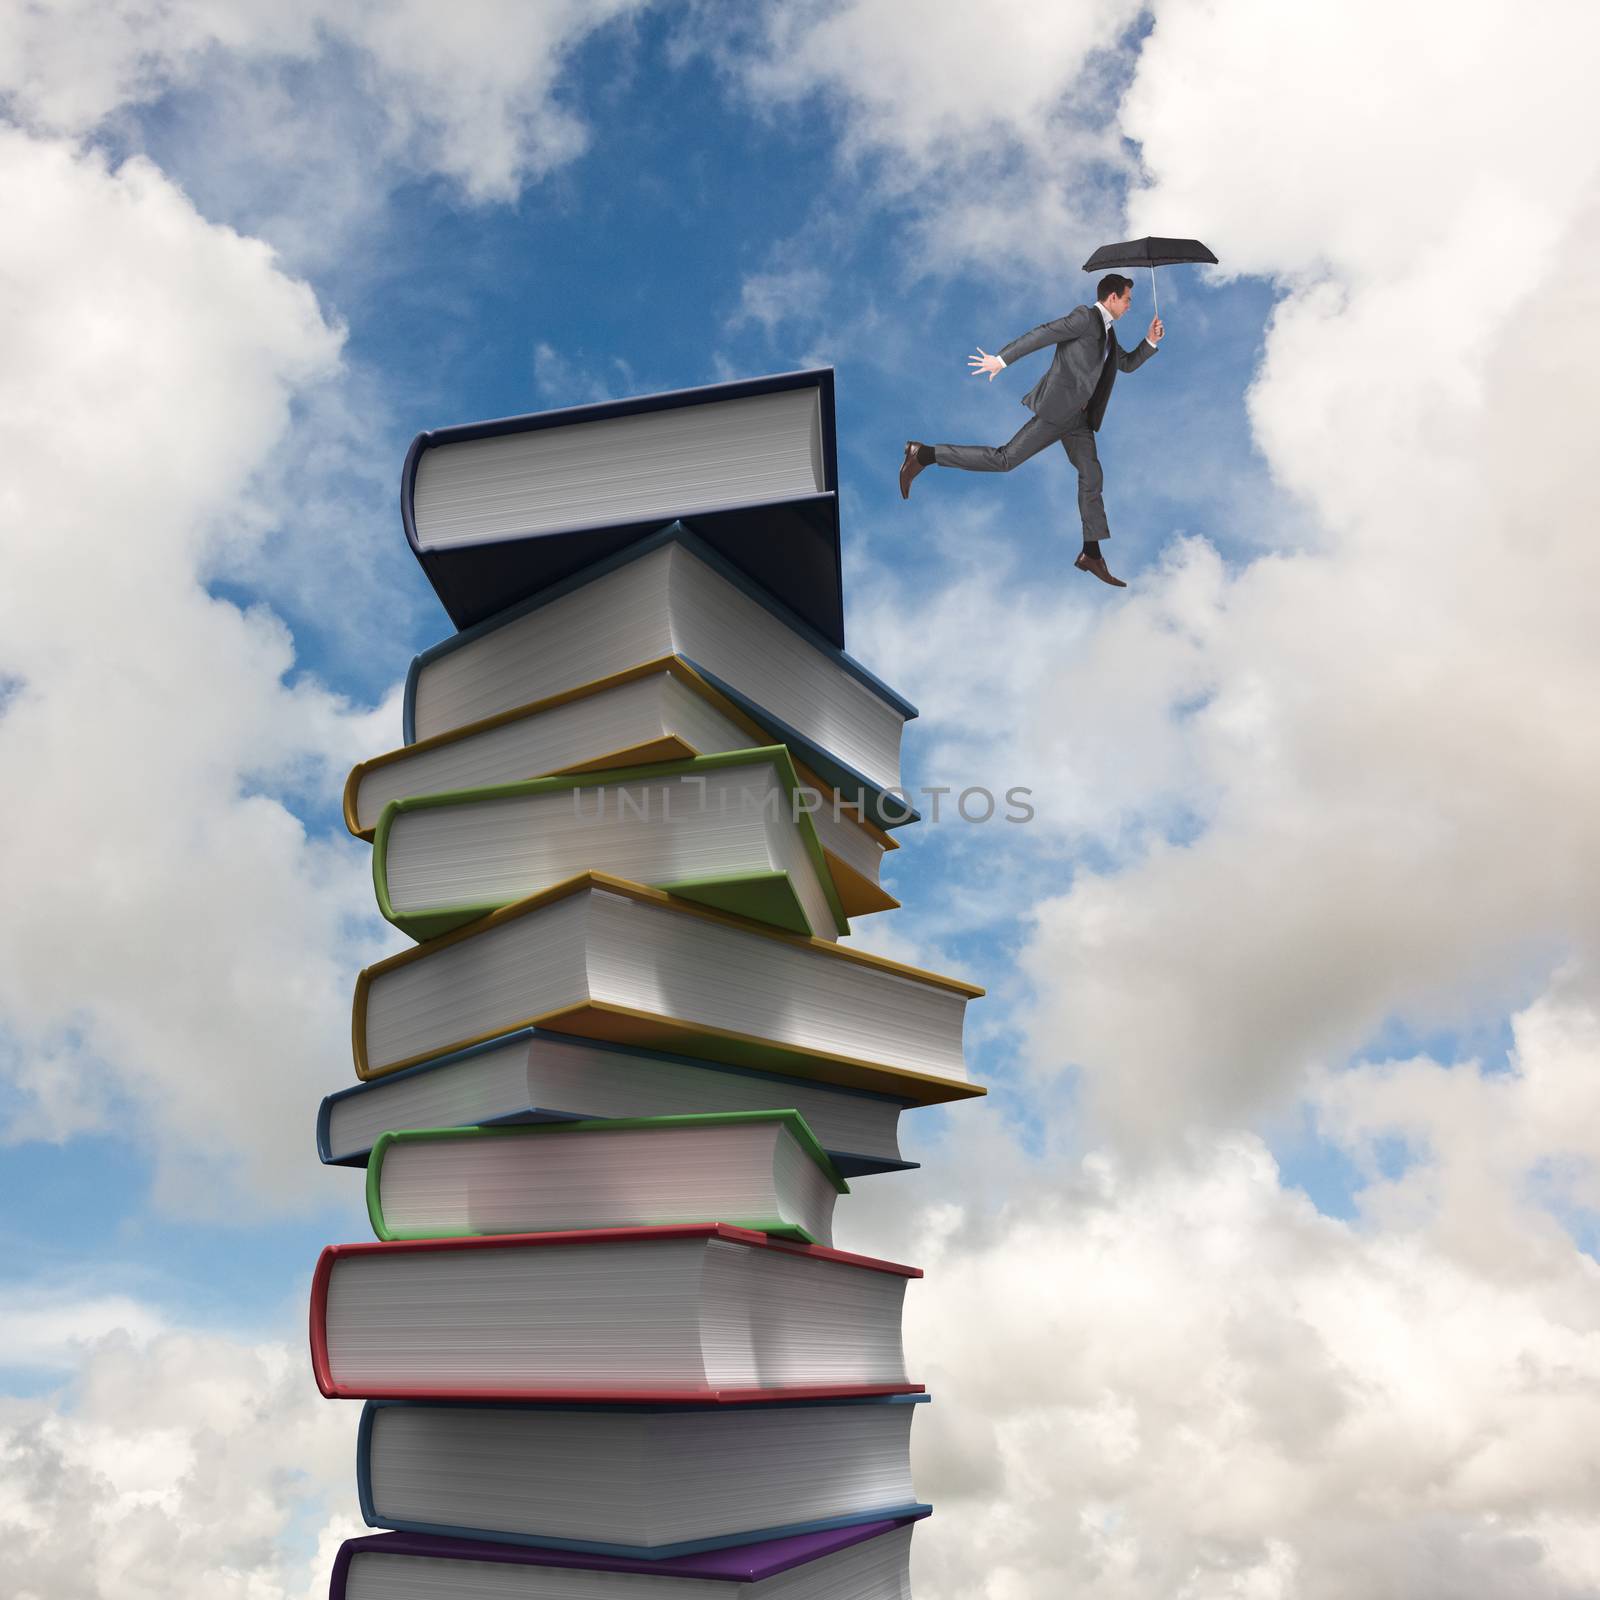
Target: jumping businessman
(1068,404)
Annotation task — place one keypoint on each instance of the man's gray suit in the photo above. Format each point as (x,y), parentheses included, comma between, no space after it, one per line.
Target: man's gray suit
(1068,404)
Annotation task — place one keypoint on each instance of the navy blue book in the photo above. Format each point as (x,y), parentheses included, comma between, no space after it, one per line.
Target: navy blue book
(534,1076)
(643,1482)
(671,594)
(496,511)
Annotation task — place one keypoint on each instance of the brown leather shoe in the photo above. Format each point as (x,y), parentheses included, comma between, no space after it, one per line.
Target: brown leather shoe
(909,468)
(1097,565)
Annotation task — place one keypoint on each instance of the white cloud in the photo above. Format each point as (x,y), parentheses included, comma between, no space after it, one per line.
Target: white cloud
(770,299)
(66,66)
(937,84)
(181,1465)
(1180,1379)
(474,89)
(470,92)
(1499,1165)
(181,962)
(1387,144)
(988,128)
(565,378)
(52,1331)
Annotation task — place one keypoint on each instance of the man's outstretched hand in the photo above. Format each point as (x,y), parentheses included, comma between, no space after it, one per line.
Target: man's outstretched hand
(981,363)
(1157,329)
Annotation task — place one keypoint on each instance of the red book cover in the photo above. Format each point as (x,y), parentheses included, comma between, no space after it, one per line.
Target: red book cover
(598,1236)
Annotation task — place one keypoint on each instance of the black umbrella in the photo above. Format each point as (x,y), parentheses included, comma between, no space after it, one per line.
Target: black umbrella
(1150,253)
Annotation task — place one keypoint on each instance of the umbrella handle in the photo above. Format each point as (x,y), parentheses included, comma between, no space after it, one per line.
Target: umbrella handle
(1153,297)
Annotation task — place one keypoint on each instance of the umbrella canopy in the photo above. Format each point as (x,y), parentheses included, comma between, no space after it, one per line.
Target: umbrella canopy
(1149,253)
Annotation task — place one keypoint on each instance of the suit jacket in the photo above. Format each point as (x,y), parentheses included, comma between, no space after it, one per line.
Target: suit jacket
(1083,370)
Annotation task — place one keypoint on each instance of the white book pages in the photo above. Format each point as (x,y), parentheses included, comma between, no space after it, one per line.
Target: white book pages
(717,625)
(712,973)
(839,832)
(618,620)
(477,987)
(637,1478)
(593,1080)
(671,1314)
(597,945)
(552,1316)
(805,1194)
(781,1319)
(656,464)
(725,822)
(497,1082)
(666,602)
(752,1174)
(623,1087)
(570,735)
(875,1569)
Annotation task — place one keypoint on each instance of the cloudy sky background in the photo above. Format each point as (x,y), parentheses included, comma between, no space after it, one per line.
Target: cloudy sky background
(1268,1267)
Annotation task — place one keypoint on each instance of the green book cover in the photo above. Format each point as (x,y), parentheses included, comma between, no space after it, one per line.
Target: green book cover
(769,897)
(796,1125)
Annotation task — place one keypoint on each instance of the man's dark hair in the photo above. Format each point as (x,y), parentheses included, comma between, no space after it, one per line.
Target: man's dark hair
(1112,283)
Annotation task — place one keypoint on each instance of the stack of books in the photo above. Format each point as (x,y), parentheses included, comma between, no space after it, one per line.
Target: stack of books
(607,1103)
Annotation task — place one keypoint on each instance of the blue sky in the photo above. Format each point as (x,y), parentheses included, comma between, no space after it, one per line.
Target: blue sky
(1292,1017)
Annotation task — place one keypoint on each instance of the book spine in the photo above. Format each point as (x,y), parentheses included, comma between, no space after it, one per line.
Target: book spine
(319,1322)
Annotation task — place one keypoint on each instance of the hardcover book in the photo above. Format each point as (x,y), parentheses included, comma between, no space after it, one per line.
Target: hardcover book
(534,1076)
(760,1170)
(867,1561)
(702,1312)
(648,1482)
(609,959)
(671,595)
(657,712)
(495,511)
(731,831)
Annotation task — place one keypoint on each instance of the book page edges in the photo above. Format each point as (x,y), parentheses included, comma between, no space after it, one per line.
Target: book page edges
(604,881)
(615,1024)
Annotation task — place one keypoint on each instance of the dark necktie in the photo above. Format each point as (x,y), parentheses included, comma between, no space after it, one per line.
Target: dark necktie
(1102,388)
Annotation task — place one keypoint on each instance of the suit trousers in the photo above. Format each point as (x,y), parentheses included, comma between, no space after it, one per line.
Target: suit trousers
(1076,437)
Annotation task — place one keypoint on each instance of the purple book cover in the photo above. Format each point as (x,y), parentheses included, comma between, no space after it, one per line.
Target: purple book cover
(744,1563)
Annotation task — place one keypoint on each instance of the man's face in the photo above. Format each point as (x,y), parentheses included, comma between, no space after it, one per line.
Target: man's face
(1118,303)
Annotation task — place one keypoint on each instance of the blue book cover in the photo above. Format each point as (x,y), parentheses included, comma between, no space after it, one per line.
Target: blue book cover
(884,807)
(370,1513)
(850,1164)
(788,545)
